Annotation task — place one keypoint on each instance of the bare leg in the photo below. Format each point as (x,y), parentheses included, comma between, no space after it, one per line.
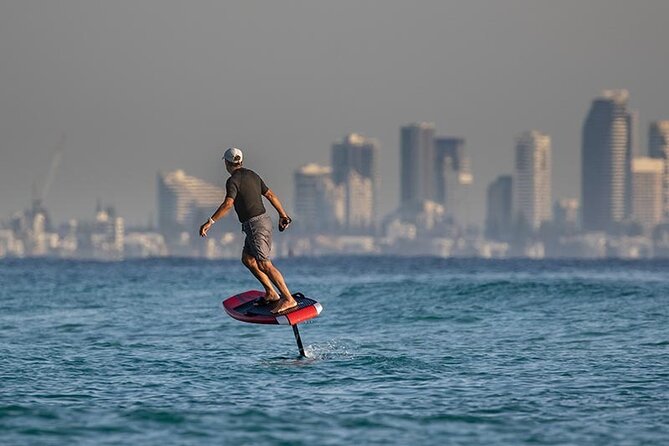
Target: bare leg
(276,277)
(253,266)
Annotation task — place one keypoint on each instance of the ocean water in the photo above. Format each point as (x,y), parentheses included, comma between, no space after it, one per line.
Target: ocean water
(407,351)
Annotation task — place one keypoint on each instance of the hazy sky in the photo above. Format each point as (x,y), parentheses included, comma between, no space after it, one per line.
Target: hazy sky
(143,86)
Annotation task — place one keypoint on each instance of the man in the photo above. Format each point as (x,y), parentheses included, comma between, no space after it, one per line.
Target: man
(244,190)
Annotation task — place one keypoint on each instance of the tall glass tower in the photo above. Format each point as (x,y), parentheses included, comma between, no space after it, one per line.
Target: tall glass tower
(453,176)
(606,158)
(450,159)
(417,172)
(499,208)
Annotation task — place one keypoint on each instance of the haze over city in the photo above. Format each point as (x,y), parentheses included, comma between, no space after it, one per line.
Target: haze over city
(138,88)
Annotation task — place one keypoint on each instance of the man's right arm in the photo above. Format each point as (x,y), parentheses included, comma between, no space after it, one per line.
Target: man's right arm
(222,210)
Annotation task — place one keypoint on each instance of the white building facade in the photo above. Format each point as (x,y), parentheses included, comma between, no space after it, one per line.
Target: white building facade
(658,147)
(532,178)
(319,203)
(647,196)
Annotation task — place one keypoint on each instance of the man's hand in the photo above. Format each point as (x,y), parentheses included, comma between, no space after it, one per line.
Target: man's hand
(204,228)
(284,222)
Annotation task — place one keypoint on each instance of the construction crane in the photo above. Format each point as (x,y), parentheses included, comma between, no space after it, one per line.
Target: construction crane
(56,156)
(38,199)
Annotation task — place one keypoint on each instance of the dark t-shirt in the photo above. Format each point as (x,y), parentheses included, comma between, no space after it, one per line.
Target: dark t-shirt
(246,188)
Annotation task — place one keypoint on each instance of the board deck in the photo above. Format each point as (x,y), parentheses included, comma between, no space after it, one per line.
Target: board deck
(241,307)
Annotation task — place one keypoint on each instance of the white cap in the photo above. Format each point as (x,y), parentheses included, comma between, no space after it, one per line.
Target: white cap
(233,155)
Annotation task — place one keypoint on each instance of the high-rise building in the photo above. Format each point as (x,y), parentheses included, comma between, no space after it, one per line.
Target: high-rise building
(184,202)
(647,199)
(417,172)
(606,156)
(631,152)
(658,147)
(359,203)
(355,152)
(658,139)
(355,167)
(499,209)
(532,179)
(449,154)
(319,203)
(453,177)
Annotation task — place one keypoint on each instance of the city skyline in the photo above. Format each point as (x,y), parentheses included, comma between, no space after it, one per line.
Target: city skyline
(622,211)
(436,153)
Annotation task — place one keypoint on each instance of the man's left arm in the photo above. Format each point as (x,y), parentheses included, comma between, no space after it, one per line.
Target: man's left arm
(284,219)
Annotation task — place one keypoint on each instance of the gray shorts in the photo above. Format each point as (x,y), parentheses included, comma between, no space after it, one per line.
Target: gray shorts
(258,242)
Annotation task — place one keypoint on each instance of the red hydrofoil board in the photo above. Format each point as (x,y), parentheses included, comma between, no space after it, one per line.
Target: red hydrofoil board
(242,307)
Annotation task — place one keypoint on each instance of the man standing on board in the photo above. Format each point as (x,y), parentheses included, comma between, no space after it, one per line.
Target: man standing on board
(244,190)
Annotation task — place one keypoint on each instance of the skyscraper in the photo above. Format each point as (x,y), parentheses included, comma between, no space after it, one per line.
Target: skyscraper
(417,172)
(658,147)
(355,166)
(532,180)
(499,209)
(359,203)
(449,155)
(658,139)
(355,152)
(647,198)
(453,177)
(184,202)
(606,156)
(632,151)
(319,203)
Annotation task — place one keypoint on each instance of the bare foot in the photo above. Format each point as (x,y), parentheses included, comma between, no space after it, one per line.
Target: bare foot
(272,297)
(267,299)
(284,305)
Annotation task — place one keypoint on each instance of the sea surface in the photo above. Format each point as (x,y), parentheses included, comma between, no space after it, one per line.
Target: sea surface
(407,351)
